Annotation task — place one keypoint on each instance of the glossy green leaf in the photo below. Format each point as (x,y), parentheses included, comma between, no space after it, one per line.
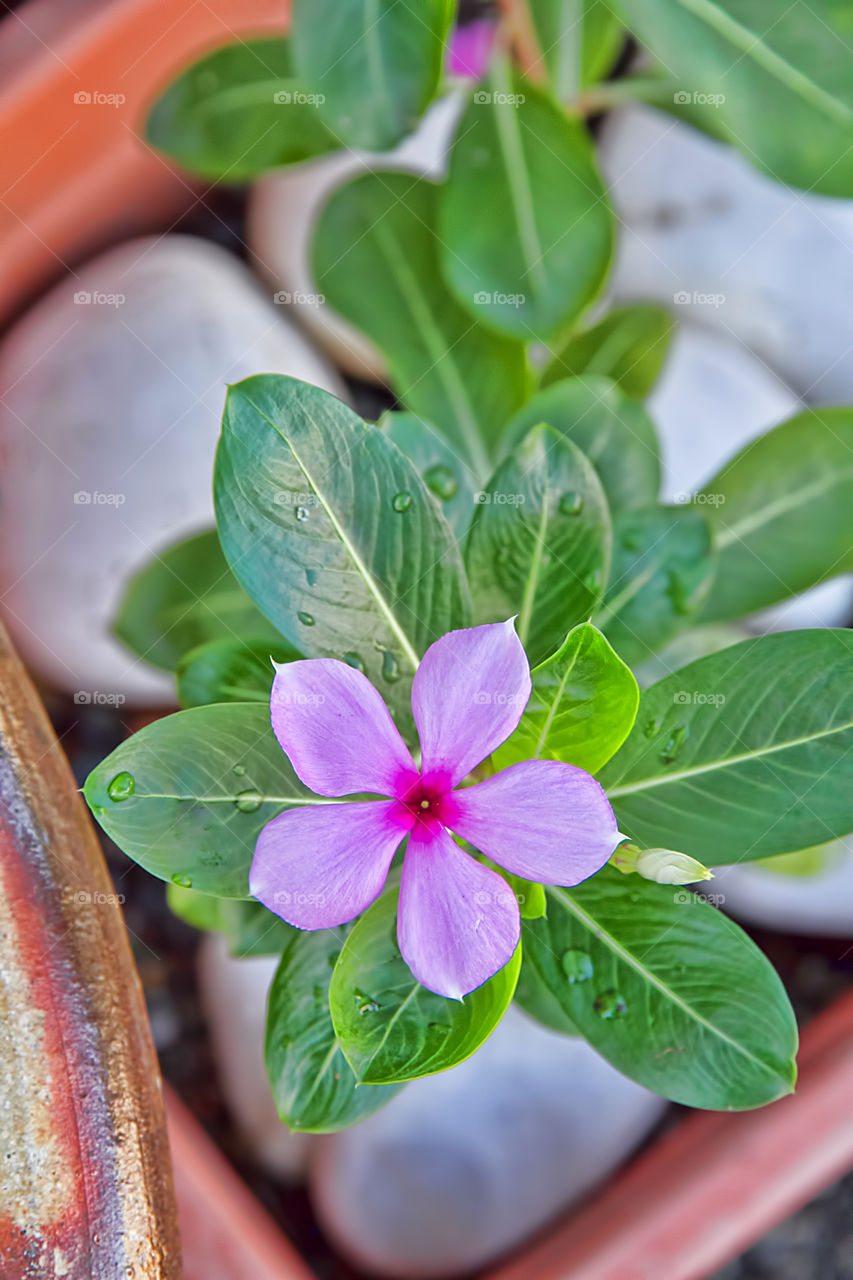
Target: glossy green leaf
(615,433)
(201,910)
(380,228)
(667,989)
(312,1082)
(582,707)
(743,754)
(239,112)
(391,1028)
(773,81)
(376,66)
(629,346)
(661,573)
(540,255)
(187,796)
(529,895)
(539,544)
(230,671)
(781,511)
(333,532)
(579,42)
(444,473)
(534,997)
(185,597)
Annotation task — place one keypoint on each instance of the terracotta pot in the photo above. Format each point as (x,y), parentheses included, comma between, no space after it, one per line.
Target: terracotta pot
(683,1208)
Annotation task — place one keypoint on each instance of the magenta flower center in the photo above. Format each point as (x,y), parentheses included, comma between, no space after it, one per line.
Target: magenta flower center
(429,801)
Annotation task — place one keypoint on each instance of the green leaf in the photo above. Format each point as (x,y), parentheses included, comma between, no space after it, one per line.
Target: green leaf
(662,569)
(201,910)
(187,796)
(230,671)
(669,990)
(629,346)
(333,532)
(615,433)
(533,996)
(541,254)
(444,473)
(183,598)
(781,513)
(313,1085)
(380,228)
(391,1028)
(743,754)
(781,76)
(579,40)
(529,895)
(582,707)
(539,544)
(251,930)
(239,112)
(377,65)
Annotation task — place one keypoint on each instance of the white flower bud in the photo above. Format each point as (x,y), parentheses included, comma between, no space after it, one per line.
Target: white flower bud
(667,866)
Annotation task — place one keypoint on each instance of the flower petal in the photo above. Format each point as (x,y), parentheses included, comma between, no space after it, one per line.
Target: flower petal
(458,922)
(321,865)
(336,730)
(468,696)
(540,819)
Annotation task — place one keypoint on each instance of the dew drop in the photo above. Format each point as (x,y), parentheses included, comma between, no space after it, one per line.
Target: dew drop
(610,1005)
(122,787)
(441,481)
(577,966)
(592,581)
(307,619)
(402,500)
(353,660)
(183,882)
(390,667)
(248,801)
(673,744)
(365,1004)
(679,594)
(302,513)
(311,576)
(440,1029)
(571,504)
(239,769)
(652,726)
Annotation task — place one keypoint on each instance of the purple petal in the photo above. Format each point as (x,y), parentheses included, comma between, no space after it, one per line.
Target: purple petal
(337,731)
(468,696)
(322,865)
(458,922)
(540,819)
(471,47)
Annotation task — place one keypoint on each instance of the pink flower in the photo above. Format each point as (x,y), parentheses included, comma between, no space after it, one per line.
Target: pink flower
(322,864)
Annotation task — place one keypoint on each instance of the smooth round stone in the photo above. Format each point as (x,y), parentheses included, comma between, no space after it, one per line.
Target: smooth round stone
(820,904)
(704,231)
(712,399)
(115,385)
(234,998)
(283,211)
(462,1166)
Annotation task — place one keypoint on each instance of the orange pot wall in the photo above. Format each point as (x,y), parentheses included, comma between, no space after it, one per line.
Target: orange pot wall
(74,177)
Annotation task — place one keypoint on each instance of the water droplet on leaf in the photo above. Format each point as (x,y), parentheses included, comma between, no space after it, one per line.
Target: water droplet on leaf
(239,769)
(365,1004)
(441,481)
(248,801)
(122,787)
(353,660)
(673,744)
(402,500)
(183,882)
(577,966)
(679,594)
(592,581)
(301,513)
(652,726)
(390,667)
(311,576)
(610,1005)
(307,619)
(571,504)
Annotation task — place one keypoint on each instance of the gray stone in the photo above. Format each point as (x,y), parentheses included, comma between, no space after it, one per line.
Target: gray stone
(461,1166)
